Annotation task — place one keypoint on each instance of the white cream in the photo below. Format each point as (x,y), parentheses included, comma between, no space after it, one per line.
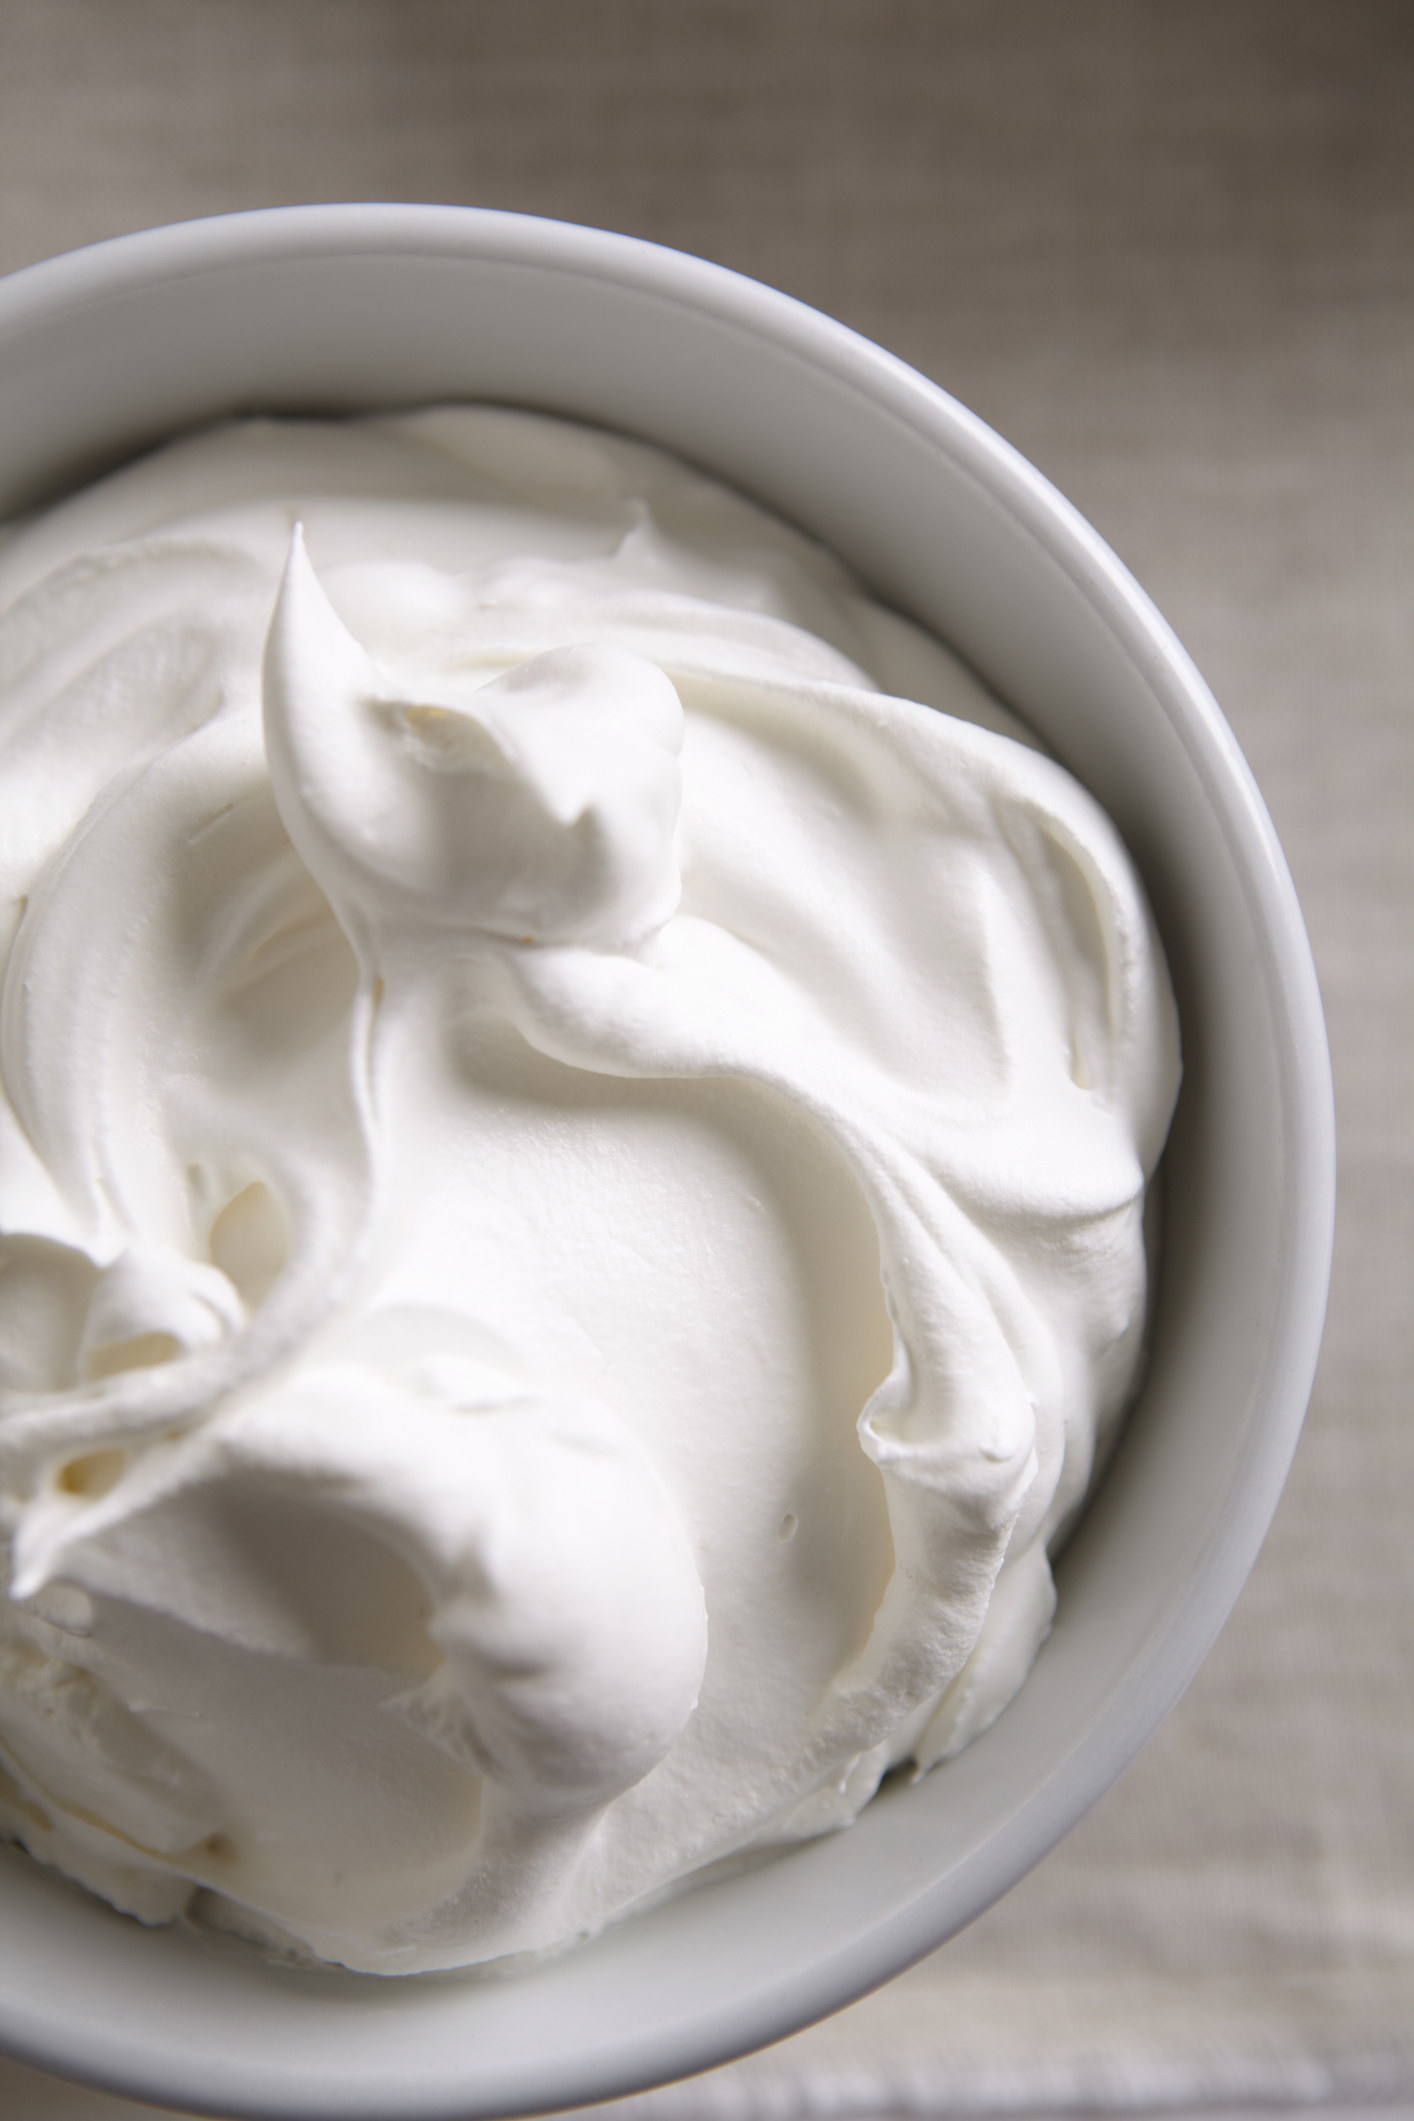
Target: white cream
(571,1174)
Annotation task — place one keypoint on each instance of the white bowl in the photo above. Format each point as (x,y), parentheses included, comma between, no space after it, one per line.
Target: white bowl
(337,307)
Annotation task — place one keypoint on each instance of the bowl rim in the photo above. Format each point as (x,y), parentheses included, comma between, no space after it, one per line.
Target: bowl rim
(130,265)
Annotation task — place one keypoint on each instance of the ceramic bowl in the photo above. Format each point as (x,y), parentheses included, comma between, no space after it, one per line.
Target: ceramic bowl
(330,308)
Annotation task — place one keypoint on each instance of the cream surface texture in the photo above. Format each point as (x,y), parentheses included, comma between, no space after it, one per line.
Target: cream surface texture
(576,1116)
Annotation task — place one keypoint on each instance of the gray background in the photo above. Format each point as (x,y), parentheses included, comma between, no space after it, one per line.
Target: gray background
(1167,248)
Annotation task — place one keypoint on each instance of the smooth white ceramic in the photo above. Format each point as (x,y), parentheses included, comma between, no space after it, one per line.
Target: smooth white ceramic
(342,307)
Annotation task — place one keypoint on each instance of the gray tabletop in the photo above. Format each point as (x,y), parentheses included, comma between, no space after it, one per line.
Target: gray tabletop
(1169,252)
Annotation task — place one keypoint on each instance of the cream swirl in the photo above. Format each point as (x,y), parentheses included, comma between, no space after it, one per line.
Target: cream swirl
(571,1174)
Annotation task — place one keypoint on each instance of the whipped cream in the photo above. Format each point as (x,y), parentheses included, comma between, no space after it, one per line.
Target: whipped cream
(577,1108)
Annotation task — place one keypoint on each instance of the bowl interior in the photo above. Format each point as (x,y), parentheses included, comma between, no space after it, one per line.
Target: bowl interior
(341,308)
